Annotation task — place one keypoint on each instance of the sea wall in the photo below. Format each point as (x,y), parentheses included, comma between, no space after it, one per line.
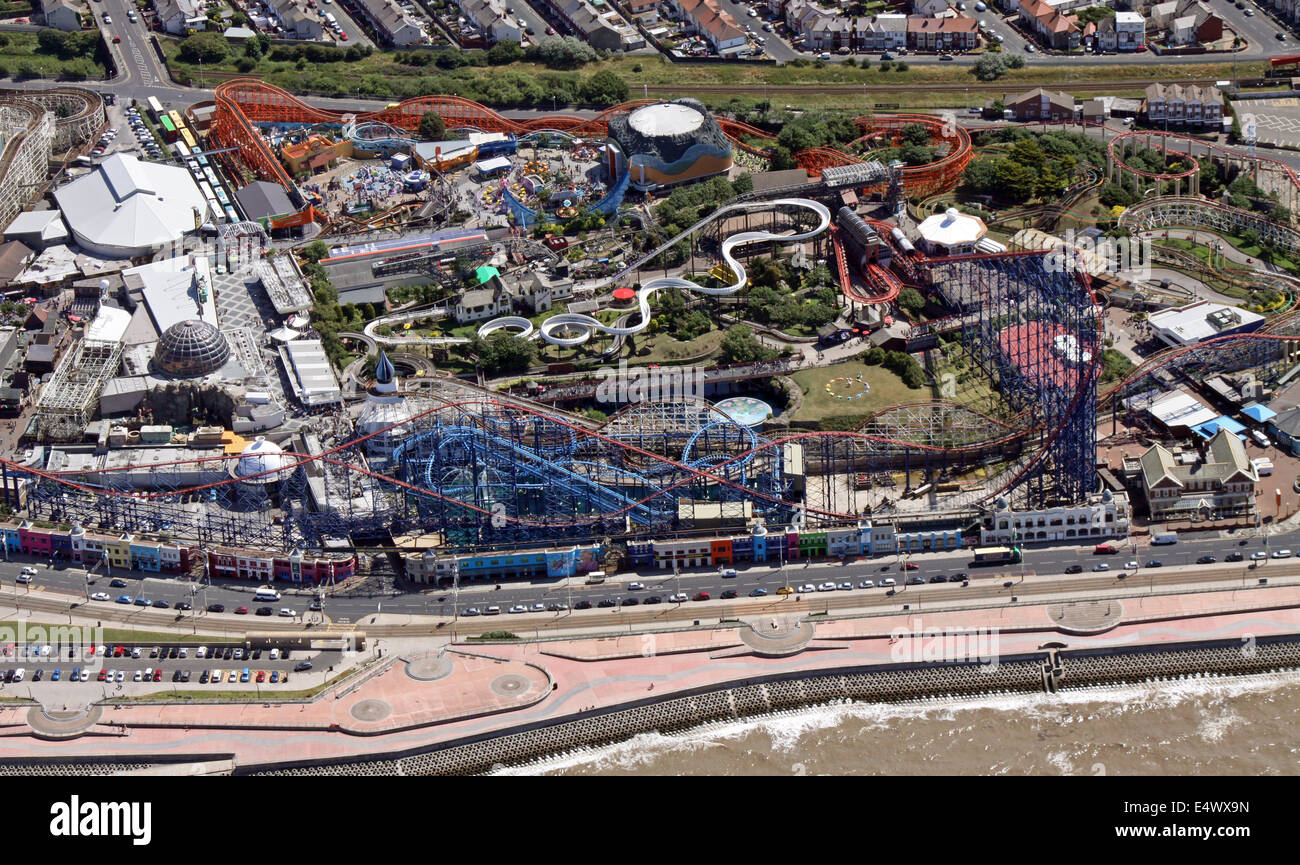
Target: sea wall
(1050,670)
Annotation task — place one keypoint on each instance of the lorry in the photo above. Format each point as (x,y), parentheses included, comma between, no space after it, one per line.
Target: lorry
(1161,538)
(1106,549)
(595,577)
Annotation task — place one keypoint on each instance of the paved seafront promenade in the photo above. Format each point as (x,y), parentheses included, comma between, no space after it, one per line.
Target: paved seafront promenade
(418,695)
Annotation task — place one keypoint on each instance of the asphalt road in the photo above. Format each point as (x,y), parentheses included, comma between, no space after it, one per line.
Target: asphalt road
(1050,561)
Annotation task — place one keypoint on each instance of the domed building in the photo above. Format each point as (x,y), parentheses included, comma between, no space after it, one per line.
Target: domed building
(261,456)
(386,411)
(190,349)
(667,143)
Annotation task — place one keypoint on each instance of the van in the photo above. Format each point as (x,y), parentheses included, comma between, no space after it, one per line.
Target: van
(1260,438)
(492,611)
(1164,538)
(275,654)
(265,593)
(888,581)
(201,652)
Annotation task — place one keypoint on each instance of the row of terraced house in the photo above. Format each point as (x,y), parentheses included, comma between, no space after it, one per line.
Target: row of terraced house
(130,553)
(125,551)
(830,30)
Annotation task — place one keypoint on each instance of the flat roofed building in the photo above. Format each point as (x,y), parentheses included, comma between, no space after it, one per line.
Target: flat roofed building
(310,372)
(1196,322)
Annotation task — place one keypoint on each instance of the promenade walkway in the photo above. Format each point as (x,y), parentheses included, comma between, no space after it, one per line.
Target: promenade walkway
(421,698)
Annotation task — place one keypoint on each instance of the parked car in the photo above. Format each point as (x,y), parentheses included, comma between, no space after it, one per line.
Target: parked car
(1074,569)
(216,608)
(701,596)
(1206,560)
(758,593)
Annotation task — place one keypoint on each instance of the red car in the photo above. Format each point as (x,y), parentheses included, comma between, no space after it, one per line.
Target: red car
(242,611)
(117,651)
(261,675)
(157,675)
(103,674)
(702,596)
(910,566)
(343,36)
(117,40)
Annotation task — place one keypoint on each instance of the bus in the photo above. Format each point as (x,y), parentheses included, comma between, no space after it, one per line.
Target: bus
(168,130)
(231,215)
(210,175)
(178,122)
(190,141)
(221,195)
(154,106)
(181,150)
(997,556)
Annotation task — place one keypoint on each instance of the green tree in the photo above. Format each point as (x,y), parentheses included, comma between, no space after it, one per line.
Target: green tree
(604,88)
(432,126)
(990,67)
(911,300)
(741,346)
(504,52)
(206,47)
(1015,182)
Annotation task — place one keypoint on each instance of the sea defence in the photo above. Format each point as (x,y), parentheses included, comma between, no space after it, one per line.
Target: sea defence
(1050,670)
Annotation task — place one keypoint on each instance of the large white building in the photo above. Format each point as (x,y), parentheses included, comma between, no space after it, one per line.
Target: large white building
(1197,322)
(128,208)
(1103,516)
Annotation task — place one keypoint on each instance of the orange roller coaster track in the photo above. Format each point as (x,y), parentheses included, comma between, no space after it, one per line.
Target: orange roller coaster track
(244,102)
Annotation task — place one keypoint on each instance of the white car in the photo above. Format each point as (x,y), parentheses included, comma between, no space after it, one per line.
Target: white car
(866,584)
(518,608)
(632,587)
(288,613)
(85,675)
(807,587)
(1131,565)
(472,611)
(1101,567)
(1257,555)
(23,578)
(139,676)
(888,581)
(135,653)
(1281,554)
(845,587)
(679,598)
(537,608)
(99,596)
(826,587)
(120,676)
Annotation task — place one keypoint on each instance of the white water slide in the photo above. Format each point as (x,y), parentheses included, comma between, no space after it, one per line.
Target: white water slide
(578,328)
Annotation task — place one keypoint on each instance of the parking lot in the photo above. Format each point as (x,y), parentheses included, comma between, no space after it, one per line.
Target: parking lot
(35,668)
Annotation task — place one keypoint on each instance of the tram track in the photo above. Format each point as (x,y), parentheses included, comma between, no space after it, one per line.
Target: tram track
(1141,583)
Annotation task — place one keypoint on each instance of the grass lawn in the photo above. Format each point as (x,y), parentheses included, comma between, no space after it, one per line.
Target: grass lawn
(887,389)
(380,76)
(20,56)
(665,349)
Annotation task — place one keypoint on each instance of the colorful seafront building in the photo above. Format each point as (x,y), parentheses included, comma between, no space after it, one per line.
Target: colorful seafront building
(129,553)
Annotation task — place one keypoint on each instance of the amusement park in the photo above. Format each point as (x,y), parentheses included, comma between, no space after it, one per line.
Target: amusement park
(910,325)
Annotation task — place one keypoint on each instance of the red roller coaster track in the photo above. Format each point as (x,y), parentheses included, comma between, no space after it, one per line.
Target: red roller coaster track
(244,102)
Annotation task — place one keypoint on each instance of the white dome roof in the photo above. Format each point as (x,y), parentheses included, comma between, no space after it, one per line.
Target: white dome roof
(380,413)
(261,456)
(952,228)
